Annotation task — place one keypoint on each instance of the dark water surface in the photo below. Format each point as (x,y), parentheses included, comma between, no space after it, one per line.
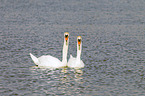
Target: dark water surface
(113,33)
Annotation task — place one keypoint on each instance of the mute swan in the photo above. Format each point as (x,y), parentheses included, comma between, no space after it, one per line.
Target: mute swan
(50,61)
(76,62)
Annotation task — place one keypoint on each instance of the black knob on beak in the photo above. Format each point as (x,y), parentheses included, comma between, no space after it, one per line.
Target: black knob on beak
(79,40)
(66,36)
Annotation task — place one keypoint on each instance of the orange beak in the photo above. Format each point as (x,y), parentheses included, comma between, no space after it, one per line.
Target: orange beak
(79,42)
(66,37)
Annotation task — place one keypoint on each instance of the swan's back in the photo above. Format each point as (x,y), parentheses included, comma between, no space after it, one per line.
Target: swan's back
(71,61)
(75,63)
(49,61)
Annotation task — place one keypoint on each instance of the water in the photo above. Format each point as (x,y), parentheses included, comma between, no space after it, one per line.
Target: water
(113,35)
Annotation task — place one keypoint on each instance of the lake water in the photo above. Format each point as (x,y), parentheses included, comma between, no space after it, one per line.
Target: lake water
(113,33)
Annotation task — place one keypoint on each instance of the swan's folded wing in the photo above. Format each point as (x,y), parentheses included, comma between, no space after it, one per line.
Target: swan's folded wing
(71,56)
(82,64)
(71,61)
(49,61)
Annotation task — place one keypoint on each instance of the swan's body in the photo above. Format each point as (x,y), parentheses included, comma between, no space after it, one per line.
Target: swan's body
(47,61)
(50,61)
(76,62)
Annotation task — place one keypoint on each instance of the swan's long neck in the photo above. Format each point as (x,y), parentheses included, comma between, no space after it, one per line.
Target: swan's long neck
(65,50)
(79,49)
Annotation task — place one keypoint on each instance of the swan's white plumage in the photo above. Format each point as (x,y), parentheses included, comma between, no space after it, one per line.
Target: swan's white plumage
(76,62)
(47,61)
(50,61)
(35,59)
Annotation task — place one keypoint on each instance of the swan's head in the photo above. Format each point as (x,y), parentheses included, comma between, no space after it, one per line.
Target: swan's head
(79,41)
(66,37)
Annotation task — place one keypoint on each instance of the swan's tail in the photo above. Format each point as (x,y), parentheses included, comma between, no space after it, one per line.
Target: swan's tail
(35,59)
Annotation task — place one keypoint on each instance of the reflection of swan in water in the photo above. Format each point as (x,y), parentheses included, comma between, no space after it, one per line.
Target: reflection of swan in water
(76,62)
(64,80)
(78,75)
(72,75)
(50,61)
(70,80)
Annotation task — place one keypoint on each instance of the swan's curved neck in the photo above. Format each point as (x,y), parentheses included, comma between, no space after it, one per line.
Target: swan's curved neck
(65,50)
(79,49)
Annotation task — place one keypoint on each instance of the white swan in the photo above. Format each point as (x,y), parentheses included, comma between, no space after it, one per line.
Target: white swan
(50,61)
(76,62)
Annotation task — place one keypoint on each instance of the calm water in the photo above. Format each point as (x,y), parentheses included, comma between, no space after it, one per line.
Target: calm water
(113,33)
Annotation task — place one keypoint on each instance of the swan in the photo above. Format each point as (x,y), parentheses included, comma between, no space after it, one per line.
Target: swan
(76,62)
(50,61)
